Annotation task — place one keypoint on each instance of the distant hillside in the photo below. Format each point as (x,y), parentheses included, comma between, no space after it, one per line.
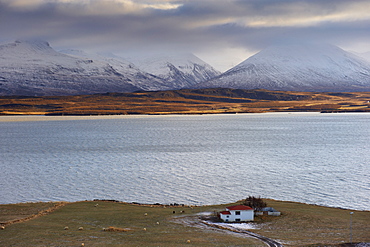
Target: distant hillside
(187,101)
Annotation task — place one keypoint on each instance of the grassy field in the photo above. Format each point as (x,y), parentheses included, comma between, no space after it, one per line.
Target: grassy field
(74,224)
(187,101)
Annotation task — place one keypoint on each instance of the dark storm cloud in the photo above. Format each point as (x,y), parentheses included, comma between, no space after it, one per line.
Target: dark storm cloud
(186,25)
(113,25)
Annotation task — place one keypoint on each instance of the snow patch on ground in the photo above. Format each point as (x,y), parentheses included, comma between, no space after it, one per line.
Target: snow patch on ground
(205,213)
(241,226)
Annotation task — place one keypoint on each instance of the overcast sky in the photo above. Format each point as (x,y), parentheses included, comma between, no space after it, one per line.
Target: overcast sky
(221,32)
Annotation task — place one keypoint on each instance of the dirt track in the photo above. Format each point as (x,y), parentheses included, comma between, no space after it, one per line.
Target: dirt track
(196,221)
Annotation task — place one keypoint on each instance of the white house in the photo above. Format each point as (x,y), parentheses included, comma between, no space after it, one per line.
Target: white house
(237,213)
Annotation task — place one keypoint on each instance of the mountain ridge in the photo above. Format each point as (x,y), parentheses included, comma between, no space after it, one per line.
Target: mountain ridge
(182,70)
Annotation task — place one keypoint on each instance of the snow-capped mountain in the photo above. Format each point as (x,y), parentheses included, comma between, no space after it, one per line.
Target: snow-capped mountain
(298,68)
(183,70)
(34,68)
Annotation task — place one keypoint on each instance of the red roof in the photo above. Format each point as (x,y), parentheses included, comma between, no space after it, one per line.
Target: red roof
(225,212)
(239,207)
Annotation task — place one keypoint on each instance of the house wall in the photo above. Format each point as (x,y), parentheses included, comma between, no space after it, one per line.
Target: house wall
(225,217)
(245,215)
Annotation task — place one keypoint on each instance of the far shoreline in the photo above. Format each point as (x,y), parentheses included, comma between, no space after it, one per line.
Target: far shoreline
(35,118)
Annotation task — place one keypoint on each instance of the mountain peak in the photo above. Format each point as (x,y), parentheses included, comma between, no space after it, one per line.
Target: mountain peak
(26,47)
(33,45)
(37,43)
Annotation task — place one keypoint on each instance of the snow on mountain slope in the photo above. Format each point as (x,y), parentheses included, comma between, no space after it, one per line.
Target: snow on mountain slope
(178,70)
(34,68)
(299,68)
(139,78)
(365,55)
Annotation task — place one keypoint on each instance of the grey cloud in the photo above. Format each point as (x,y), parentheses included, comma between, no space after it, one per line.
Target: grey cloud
(194,25)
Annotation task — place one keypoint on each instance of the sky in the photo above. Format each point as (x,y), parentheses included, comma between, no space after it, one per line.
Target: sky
(221,32)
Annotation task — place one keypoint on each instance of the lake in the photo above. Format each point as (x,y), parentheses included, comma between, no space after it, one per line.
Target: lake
(313,158)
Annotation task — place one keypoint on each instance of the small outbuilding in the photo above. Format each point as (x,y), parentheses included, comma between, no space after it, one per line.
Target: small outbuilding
(238,213)
(268,211)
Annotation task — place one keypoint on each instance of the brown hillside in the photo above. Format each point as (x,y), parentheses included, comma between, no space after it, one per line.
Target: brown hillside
(187,101)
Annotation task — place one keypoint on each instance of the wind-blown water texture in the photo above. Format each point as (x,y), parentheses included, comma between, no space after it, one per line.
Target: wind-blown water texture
(313,158)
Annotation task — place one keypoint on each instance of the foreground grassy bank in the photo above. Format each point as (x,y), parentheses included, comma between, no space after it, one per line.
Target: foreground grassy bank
(74,224)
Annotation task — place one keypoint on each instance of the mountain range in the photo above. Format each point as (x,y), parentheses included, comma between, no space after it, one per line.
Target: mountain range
(35,68)
(180,70)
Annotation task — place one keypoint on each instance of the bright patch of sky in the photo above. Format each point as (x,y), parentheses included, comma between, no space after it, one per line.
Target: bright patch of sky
(159,4)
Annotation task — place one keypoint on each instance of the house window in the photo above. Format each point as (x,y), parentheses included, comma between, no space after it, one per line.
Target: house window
(237,212)
(227,216)
(237,220)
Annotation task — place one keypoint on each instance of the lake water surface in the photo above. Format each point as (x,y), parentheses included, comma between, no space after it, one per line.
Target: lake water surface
(199,159)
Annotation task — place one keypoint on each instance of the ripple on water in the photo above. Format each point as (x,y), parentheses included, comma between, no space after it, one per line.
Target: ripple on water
(312,158)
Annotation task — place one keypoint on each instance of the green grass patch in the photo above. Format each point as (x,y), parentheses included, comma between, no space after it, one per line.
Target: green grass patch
(107,223)
(303,224)
(144,226)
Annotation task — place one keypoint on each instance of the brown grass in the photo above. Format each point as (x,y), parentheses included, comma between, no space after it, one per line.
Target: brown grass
(187,102)
(116,229)
(16,213)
